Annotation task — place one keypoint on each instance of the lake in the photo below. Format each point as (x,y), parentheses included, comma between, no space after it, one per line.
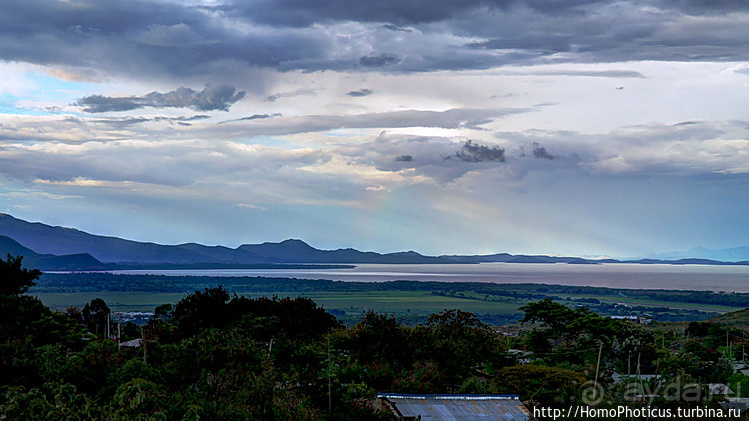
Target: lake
(613,275)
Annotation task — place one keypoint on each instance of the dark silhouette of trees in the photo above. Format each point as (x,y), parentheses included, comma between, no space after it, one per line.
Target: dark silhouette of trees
(27,326)
(459,343)
(14,279)
(95,316)
(202,310)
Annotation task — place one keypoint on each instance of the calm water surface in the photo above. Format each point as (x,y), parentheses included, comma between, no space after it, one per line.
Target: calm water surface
(689,277)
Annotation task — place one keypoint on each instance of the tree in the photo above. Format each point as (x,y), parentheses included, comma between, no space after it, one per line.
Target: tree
(163,311)
(379,337)
(201,310)
(14,279)
(548,386)
(460,343)
(95,315)
(75,313)
(564,327)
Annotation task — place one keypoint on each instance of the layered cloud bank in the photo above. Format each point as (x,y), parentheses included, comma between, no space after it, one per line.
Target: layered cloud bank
(450,126)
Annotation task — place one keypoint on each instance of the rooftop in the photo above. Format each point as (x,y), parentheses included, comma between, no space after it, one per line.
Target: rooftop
(456,407)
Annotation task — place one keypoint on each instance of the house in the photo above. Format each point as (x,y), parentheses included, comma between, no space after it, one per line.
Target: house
(633,378)
(454,407)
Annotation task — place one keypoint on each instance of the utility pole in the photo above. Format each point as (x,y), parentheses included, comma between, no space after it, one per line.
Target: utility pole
(330,396)
(629,364)
(728,349)
(598,364)
(119,328)
(638,376)
(143,330)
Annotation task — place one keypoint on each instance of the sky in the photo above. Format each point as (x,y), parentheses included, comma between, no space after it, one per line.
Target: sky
(590,128)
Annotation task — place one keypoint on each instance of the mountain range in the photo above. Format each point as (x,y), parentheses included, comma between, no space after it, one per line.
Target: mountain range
(734,254)
(58,248)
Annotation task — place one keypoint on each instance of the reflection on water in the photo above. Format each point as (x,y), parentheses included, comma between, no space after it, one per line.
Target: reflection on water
(689,277)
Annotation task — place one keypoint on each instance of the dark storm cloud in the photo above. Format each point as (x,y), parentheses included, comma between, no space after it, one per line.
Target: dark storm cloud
(146,38)
(102,104)
(384,59)
(474,152)
(397,12)
(441,159)
(168,40)
(695,7)
(539,152)
(611,31)
(360,92)
(404,158)
(211,98)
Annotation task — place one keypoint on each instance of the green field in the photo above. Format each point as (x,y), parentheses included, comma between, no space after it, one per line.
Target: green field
(411,301)
(116,300)
(415,305)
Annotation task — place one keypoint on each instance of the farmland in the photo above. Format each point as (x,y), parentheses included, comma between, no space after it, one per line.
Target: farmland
(410,301)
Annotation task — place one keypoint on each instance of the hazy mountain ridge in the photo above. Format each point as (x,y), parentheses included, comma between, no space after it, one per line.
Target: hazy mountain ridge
(32,259)
(39,238)
(734,254)
(59,248)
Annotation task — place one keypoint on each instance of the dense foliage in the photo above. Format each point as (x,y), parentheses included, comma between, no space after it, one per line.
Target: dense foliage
(217,355)
(16,280)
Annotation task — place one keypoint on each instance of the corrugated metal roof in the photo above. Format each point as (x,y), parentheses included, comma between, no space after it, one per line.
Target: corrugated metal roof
(459,407)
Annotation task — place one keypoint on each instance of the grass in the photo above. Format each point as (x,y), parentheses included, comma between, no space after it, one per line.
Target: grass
(117,301)
(656,303)
(348,306)
(496,304)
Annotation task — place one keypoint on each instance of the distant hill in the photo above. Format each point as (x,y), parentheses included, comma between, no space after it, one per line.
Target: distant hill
(735,254)
(485,258)
(31,259)
(67,247)
(44,239)
(297,251)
